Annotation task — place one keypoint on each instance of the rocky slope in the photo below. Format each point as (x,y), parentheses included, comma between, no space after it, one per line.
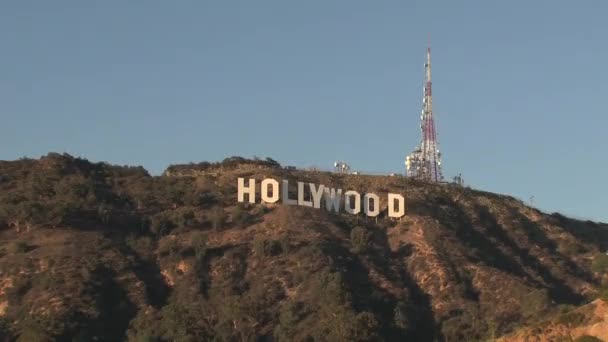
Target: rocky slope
(94,251)
(588,320)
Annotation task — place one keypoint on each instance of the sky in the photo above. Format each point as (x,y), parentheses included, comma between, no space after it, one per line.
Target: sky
(519,87)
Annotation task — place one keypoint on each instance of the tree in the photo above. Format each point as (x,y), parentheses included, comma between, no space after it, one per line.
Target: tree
(273,162)
(160,225)
(289,317)
(360,238)
(184,217)
(240,215)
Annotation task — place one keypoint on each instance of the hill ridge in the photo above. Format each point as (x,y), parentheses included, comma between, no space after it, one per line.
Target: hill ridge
(96,250)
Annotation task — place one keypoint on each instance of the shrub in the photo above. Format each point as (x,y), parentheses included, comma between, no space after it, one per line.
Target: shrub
(572,247)
(534,301)
(603,294)
(272,162)
(184,218)
(360,238)
(267,247)
(19,247)
(168,247)
(330,289)
(33,331)
(160,225)
(365,326)
(207,199)
(289,316)
(20,287)
(572,319)
(260,210)
(240,215)
(400,318)
(4,330)
(142,245)
(198,241)
(600,263)
(285,244)
(337,319)
(218,217)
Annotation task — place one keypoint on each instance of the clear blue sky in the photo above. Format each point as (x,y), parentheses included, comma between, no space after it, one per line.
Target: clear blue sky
(520,86)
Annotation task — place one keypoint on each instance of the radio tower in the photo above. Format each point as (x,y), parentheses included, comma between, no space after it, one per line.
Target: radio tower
(424,162)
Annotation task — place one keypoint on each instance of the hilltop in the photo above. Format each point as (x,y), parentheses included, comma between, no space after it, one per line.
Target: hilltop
(98,251)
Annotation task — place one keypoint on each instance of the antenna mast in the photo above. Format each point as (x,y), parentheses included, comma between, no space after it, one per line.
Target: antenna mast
(425,161)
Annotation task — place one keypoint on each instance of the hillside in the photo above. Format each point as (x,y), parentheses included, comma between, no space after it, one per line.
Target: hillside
(92,251)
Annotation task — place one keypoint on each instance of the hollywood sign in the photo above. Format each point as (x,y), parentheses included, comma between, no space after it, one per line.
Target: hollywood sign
(353,201)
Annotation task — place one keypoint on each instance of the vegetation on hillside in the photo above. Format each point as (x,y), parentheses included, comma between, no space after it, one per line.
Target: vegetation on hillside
(96,251)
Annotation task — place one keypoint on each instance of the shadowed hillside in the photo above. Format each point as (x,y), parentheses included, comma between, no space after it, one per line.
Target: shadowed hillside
(92,250)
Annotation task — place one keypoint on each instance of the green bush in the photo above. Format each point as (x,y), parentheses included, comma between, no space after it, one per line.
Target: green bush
(603,294)
(534,301)
(145,327)
(184,217)
(600,263)
(337,320)
(289,316)
(240,215)
(260,210)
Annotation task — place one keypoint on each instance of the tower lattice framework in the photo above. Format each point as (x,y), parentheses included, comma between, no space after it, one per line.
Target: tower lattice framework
(424,162)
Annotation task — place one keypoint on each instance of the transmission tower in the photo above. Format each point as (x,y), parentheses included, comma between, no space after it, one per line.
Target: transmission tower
(425,161)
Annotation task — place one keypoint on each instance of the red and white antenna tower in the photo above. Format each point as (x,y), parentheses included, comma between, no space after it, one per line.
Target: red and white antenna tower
(424,162)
